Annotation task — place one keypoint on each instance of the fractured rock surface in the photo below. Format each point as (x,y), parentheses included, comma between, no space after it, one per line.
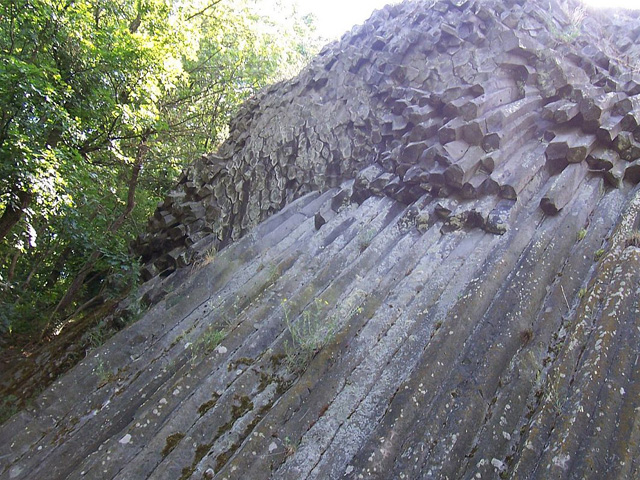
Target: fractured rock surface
(443,99)
(426,269)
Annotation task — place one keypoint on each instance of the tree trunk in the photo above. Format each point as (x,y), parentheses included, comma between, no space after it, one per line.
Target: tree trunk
(56,271)
(80,278)
(13,212)
(12,267)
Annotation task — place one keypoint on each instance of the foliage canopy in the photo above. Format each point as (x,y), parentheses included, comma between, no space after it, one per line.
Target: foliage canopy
(102,102)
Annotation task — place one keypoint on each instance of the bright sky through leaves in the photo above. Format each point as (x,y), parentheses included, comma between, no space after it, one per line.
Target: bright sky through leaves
(335,17)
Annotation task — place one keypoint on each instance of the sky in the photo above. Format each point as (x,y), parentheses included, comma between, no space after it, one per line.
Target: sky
(335,17)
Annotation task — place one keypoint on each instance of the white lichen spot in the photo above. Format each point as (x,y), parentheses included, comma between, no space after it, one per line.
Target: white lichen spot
(221,349)
(561,461)
(622,391)
(273,447)
(126,439)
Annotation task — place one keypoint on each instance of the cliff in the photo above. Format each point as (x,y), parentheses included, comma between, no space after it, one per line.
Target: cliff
(419,258)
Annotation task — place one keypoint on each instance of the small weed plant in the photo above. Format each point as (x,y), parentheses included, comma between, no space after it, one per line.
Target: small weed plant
(97,336)
(289,447)
(365,238)
(206,343)
(309,334)
(571,31)
(211,339)
(104,373)
(204,259)
(581,234)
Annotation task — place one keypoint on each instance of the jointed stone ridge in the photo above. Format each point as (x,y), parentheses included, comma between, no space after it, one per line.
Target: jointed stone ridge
(445,204)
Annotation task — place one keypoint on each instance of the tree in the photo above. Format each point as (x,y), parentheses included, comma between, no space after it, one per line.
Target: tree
(102,103)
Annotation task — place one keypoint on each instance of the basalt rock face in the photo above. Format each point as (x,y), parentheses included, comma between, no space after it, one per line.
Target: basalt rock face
(444,99)
(428,267)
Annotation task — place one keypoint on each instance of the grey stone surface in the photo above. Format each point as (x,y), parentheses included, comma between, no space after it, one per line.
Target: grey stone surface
(369,99)
(446,199)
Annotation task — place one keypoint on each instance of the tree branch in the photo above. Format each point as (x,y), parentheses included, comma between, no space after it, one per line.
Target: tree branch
(13,212)
(80,278)
(201,12)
